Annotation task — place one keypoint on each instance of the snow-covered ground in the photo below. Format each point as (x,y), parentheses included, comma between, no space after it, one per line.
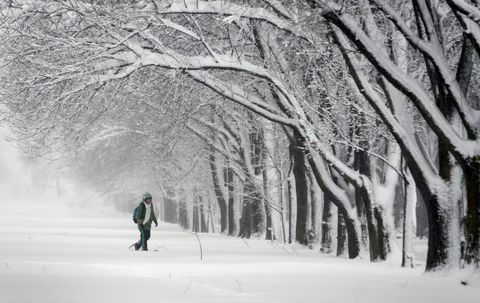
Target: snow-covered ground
(49,254)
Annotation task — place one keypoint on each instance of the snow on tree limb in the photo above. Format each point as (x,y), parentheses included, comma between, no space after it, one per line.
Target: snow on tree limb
(469,10)
(219,7)
(405,140)
(433,50)
(409,86)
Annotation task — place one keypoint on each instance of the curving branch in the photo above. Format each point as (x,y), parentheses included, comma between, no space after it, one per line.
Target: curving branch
(433,51)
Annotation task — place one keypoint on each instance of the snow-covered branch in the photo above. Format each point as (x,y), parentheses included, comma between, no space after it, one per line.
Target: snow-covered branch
(231,11)
(433,50)
(403,138)
(409,86)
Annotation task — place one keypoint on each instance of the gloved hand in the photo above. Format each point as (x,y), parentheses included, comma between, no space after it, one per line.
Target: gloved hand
(156,224)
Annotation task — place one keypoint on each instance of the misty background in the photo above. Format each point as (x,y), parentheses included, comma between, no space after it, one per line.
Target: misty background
(41,187)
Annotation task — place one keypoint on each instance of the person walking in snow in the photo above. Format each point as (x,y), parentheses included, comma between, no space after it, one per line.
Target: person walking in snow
(144,216)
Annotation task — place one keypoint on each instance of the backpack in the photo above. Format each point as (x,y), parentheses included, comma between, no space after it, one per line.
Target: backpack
(135,214)
(135,210)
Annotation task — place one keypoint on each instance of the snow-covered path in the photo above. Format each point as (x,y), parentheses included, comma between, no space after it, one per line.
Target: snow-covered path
(52,258)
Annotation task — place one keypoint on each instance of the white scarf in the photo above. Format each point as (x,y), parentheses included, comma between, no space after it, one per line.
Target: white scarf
(148,212)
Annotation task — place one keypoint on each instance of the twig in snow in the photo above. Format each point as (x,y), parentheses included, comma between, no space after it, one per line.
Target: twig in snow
(163,247)
(239,284)
(200,244)
(188,288)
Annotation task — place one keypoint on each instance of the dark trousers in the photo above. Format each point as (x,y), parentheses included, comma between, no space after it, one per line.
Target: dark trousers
(144,236)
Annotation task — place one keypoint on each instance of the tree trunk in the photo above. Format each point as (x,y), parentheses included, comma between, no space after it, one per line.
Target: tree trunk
(341,235)
(314,203)
(472,237)
(257,150)
(171,207)
(266,203)
(408,259)
(251,222)
(203,219)
(383,236)
(302,193)
(352,226)
(246,218)
(441,222)
(222,204)
(195,215)
(326,245)
(292,200)
(232,220)
(182,212)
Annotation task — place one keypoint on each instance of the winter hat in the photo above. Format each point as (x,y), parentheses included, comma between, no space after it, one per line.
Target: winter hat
(147,196)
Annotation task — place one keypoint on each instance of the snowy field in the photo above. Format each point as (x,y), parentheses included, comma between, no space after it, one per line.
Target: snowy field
(55,256)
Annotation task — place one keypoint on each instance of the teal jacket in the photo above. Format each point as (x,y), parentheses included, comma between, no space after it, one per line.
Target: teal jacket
(140,216)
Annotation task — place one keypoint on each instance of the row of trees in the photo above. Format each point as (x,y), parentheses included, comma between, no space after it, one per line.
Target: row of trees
(357,104)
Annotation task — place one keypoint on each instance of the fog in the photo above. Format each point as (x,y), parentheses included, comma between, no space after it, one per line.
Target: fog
(39,187)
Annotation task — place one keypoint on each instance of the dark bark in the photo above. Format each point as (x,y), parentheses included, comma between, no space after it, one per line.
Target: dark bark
(246,217)
(302,192)
(471,167)
(222,204)
(232,221)
(326,244)
(353,234)
(341,235)
(438,234)
(196,224)
(182,211)
(377,233)
(266,204)
(314,203)
(268,211)
(203,219)
(251,221)
(195,214)
(383,236)
(472,178)
(291,196)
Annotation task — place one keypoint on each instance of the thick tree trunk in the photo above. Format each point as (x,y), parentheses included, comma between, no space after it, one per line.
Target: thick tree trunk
(268,227)
(273,183)
(182,212)
(246,217)
(352,226)
(266,204)
(222,204)
(472,237)
(302,193)
(326,245)
(341,235)
(314,205)
(258,214)
(383,236)
(292,200)
(408,259)
(251,222)
(232,220)
(203,219)
(442,247)
(378,238)
(195,215)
